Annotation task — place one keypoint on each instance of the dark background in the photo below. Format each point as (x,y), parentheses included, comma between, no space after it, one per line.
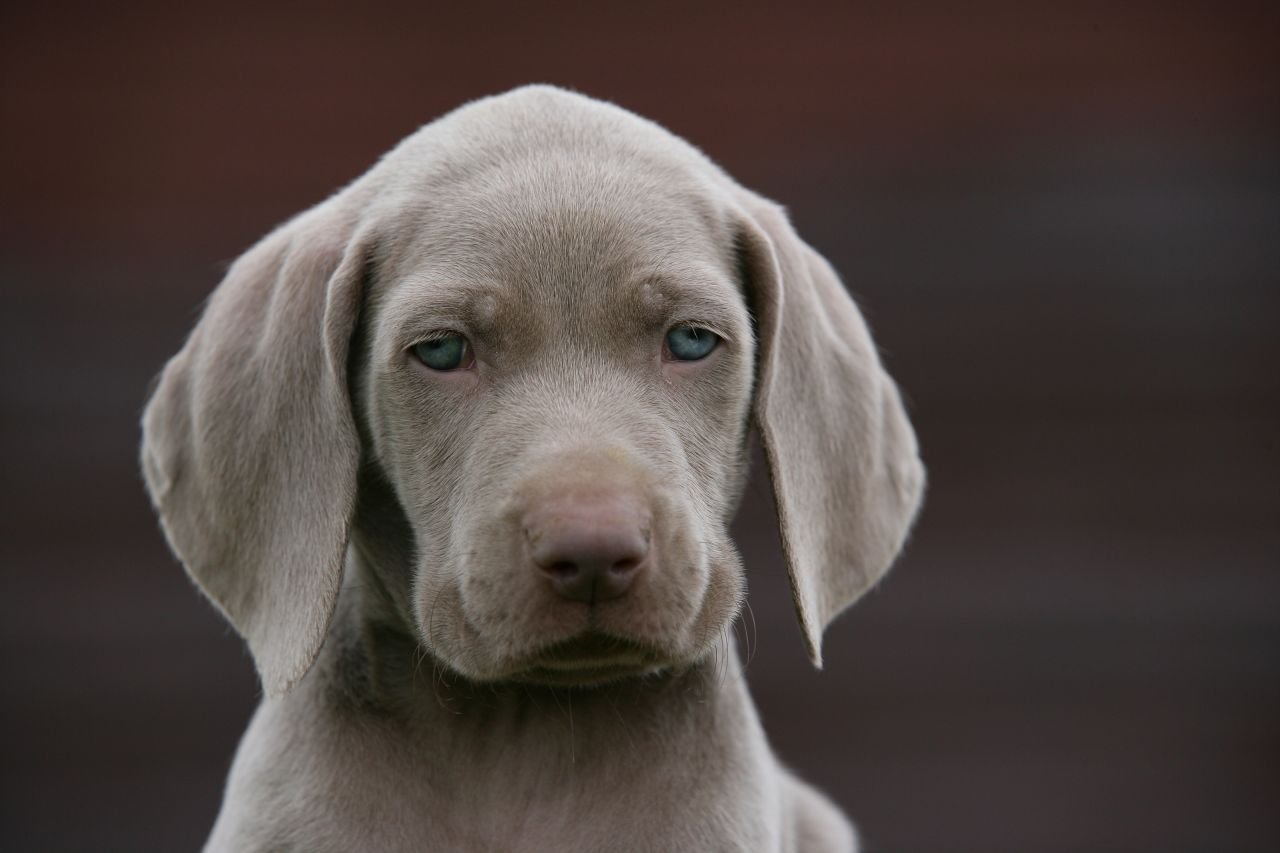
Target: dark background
(1063,222)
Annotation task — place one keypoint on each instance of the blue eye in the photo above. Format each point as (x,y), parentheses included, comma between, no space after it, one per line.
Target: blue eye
(447,352)
(690,343)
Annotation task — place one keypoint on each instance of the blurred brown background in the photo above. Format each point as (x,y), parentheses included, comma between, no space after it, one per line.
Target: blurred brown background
(1063,222)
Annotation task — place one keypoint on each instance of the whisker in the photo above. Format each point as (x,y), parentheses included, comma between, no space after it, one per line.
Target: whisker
(573,756)
(754,644)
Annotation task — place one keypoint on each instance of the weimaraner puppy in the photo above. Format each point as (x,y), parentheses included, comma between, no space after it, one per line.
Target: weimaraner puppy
(456,452)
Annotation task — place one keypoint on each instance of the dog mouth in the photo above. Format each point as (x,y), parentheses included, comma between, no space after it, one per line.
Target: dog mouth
(589,659)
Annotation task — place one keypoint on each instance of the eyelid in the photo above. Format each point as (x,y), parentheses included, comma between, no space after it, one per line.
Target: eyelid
(437,335)
(709,325)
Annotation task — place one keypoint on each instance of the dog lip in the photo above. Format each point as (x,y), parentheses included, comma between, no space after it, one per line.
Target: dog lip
(594,648)
(591,657)
(546,677)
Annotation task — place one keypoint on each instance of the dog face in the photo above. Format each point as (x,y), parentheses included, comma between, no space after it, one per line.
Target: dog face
(567,476)
(565,319)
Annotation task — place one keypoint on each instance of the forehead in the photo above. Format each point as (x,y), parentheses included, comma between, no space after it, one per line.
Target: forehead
(554,236)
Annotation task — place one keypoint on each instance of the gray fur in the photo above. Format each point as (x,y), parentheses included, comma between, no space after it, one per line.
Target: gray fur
(356,516)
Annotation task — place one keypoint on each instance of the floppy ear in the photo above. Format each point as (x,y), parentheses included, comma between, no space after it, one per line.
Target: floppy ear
(249,447)
(847,477)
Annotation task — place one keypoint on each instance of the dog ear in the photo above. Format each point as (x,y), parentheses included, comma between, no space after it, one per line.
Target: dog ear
(842,456)
(249,446)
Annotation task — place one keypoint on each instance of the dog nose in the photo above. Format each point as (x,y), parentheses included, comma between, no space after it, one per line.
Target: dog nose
(590,548)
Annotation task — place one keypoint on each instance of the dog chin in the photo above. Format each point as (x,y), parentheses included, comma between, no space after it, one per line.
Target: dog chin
(590,659)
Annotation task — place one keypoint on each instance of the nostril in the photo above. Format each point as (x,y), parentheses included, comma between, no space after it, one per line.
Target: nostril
(626,566)
(562,569)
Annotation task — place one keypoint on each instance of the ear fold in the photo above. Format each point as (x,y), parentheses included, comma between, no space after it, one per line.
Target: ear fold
(249,446)
(842,456)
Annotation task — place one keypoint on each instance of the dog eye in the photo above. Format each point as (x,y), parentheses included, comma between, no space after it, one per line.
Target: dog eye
(691,343)
(448,352)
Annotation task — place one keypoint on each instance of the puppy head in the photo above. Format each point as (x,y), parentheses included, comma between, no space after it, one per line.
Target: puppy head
(557,366)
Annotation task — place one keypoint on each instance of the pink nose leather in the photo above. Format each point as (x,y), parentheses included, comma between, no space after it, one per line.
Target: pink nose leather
(590,548)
